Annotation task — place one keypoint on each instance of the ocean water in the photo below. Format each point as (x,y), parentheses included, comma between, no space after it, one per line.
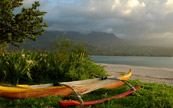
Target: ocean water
(162,62)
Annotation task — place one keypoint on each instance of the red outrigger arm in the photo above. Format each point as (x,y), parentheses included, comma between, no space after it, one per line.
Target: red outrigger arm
(90,103)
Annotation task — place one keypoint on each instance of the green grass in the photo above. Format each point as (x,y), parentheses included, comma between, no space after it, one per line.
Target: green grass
(150,95)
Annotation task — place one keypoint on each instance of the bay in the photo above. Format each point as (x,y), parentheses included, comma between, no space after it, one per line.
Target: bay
(162,62)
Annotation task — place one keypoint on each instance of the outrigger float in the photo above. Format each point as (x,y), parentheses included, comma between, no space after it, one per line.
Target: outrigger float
(67,88)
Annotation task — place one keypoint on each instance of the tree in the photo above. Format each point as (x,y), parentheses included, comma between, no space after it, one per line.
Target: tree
(15,28)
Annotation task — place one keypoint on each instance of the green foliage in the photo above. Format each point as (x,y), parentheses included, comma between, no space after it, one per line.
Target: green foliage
(63,45)
(150,95)
(3,48)
(15,65)
(68,62)
(15,28)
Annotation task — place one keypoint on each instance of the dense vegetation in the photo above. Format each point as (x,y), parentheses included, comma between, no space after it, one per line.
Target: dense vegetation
(67,62)
(150,95)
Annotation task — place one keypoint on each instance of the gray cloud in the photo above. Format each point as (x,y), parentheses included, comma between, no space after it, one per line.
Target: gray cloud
(124,18)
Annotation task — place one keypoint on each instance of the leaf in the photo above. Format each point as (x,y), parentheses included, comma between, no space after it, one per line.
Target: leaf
(29,75)
(5,74)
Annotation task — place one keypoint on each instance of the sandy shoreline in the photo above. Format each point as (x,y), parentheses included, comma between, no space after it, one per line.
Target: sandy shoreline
(144,74)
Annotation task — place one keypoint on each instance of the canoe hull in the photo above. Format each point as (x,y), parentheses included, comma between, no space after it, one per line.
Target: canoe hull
(82,87)
(37,93)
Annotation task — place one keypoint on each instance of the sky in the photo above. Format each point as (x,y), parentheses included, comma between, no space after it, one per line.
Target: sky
(127,19)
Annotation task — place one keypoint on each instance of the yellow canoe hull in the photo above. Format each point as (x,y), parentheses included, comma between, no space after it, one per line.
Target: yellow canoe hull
(83,86)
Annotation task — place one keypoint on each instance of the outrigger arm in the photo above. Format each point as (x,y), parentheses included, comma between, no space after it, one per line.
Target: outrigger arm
(89,103)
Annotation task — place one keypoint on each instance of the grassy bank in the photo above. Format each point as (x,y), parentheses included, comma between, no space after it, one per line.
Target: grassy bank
(150,95)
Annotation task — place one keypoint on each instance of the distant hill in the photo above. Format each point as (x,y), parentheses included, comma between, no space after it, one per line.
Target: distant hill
(95,42)
(102,39)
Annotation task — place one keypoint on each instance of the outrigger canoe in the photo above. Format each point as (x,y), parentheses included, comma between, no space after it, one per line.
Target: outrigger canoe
(63,88)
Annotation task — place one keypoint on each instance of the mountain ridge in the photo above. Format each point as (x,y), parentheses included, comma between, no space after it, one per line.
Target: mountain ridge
(99,40)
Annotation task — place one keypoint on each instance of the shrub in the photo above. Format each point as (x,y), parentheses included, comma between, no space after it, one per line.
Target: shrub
(14,66)
(68,62)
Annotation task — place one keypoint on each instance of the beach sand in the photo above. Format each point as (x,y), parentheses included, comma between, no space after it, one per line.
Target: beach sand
(144,74)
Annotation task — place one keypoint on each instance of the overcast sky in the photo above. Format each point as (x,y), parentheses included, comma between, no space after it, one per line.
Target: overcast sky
(150,19)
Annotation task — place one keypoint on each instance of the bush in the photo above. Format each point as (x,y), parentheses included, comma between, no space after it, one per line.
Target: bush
(68,62)
(15,65)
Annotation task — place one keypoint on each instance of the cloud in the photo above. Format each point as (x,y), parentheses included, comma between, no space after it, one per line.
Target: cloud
(116,3)
(169,6)
(169,3)
(27,3)
(124,18)
(135,3)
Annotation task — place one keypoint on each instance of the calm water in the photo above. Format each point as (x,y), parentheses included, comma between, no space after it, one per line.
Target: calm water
(163,62)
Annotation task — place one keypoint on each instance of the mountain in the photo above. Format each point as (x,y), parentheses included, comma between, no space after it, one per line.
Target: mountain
(97,43)
(94,41)
(102,40)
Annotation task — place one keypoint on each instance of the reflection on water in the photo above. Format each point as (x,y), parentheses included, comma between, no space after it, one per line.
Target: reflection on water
(163,62)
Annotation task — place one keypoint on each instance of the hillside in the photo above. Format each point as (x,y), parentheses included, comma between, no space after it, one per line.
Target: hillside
(97,43)
(94,41)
